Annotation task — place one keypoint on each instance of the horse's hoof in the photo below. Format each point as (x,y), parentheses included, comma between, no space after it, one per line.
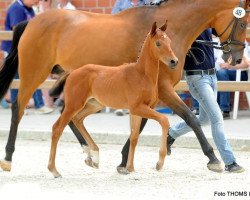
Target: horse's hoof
(215,166)
(5,165)
(90,163)
(122,170)
(158,166)
(58,176)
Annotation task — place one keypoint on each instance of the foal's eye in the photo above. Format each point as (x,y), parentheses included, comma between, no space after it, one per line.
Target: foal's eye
(158,44)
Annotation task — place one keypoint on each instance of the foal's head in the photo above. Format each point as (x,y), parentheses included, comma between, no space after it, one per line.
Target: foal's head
(160,45)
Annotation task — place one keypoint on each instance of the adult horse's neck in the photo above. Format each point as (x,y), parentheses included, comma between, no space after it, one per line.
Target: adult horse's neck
(148,63)
(187,19)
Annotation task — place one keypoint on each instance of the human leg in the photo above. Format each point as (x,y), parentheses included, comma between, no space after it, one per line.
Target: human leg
(224,97)
(205,90)
(38,99)
(39,103)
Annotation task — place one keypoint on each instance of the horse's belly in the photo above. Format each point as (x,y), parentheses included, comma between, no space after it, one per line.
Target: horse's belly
(111,100)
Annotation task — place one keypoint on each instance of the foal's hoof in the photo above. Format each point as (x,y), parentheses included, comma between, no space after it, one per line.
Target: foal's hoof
(158,166)
(122,170)
(5,165)
(89,162)
(57,175)
(215,166)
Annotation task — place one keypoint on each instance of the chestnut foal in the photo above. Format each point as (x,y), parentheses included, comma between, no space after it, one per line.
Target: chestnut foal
(131,86)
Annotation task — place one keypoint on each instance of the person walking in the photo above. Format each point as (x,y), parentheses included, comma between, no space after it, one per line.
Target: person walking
(202,83)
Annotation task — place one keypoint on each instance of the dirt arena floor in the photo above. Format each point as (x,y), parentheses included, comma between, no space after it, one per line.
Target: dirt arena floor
(184,176)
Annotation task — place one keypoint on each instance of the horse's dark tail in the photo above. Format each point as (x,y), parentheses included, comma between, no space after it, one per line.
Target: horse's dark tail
(10,65)
(57,88)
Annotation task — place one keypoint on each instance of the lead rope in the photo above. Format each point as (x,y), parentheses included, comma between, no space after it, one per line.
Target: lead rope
(191,55)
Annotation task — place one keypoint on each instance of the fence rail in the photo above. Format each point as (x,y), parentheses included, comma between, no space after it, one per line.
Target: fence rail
(6,35)
(242,86)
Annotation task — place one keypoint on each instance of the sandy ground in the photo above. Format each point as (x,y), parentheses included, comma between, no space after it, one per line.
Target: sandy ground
(184,176)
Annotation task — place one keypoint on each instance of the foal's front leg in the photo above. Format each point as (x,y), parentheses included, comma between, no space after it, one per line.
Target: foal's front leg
(135,122)
(147,112)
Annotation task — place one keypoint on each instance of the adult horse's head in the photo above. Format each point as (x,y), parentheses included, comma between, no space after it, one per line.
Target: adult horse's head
(230,25)
(161,46)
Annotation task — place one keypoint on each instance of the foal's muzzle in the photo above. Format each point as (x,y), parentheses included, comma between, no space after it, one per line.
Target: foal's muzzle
(172,63)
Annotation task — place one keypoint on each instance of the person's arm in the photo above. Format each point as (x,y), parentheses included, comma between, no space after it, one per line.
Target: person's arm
(243,65)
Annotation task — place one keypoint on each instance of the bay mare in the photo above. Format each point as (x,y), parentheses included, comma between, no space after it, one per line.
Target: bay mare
(130,86)
(71,39)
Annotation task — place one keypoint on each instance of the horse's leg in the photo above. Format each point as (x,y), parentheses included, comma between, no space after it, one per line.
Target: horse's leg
(27,87)
(171,98)
(92,149)
(135,122)
(150,113)
(91,107)
(57,131)
(125,149)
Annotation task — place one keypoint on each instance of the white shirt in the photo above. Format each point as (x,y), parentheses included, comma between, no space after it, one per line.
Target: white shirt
(68,6)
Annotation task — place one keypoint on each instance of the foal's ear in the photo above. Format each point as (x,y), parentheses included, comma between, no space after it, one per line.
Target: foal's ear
(164,27)
(153,29)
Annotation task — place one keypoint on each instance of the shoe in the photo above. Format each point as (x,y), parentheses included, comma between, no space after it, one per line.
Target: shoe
(234,168)
(196,111)
(119,112)
(170,141)
(44,110)
(226,115)
(4,104)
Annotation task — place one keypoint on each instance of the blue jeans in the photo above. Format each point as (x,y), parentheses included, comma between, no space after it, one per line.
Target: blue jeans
(224,97)
(204,89)
(37,96)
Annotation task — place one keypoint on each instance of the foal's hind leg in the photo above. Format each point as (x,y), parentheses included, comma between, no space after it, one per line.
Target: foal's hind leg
(92,106)
(57,131)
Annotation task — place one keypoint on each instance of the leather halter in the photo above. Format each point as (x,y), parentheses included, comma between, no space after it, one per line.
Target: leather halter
(226,45)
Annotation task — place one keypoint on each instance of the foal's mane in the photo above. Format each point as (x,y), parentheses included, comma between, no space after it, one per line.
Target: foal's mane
(142,46)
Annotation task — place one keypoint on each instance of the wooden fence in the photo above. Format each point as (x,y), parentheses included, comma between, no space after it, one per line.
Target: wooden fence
(242,86)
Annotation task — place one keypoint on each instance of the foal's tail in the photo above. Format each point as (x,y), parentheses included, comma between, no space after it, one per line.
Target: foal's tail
(10,65)
(57,88)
